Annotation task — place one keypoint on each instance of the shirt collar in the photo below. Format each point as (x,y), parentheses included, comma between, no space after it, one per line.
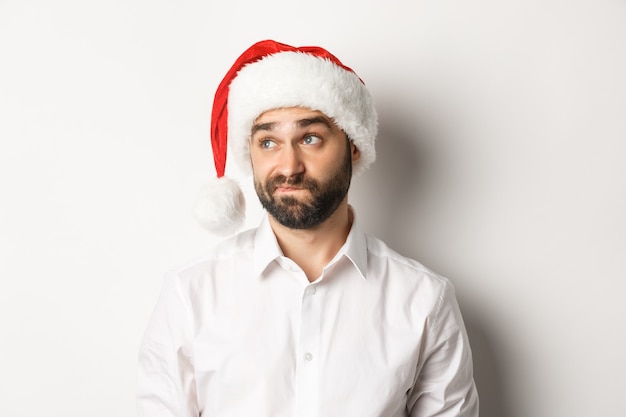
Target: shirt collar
(267,249)
(355,248)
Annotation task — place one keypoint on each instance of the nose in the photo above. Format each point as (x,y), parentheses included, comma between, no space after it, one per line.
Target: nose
(290,161)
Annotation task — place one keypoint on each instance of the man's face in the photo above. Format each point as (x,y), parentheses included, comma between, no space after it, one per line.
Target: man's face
(302,165)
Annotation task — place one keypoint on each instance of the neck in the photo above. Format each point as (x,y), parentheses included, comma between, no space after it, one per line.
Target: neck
(312,249)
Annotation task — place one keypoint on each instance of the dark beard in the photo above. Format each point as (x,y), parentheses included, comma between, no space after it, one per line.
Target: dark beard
(325,197)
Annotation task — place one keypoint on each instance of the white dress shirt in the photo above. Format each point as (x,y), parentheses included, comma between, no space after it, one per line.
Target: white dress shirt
(243,333)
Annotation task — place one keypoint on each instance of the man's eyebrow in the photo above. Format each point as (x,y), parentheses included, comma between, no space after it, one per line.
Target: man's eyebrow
(314,120)
(262,126)
(301,123)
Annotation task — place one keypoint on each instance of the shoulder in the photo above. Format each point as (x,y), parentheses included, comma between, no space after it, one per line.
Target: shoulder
(406,277)
(230,252)
(380,253)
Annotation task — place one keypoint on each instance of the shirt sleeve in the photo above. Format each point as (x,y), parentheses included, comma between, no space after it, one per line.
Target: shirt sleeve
(444,385)
(165,379)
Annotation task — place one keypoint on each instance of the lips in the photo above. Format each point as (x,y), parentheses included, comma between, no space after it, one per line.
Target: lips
(287,188)
(287,185)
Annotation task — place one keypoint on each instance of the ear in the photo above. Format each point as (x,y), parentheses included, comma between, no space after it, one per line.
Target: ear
(356,153)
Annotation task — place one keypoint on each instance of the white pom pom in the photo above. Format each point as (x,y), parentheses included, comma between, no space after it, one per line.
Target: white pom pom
(220,207)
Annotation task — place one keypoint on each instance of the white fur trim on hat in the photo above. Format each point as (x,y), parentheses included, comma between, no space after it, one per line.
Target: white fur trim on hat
(297,79)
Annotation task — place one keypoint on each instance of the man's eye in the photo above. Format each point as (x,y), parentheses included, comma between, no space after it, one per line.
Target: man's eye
(267,144)
(311,140)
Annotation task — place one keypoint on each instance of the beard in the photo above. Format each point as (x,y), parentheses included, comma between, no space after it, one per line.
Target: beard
(324,198)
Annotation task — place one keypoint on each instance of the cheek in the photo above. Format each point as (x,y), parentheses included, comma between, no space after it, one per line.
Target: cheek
(258,165)
(332,162)
(257,175)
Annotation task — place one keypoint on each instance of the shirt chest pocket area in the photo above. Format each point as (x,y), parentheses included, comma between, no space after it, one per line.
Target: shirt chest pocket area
(230,364)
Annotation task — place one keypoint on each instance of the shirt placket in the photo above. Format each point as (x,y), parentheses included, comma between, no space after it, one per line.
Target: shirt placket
(308,355)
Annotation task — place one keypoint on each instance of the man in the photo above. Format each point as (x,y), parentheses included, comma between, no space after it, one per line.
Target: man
(304,315)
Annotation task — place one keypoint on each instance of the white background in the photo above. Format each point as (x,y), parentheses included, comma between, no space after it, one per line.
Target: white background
(501,165)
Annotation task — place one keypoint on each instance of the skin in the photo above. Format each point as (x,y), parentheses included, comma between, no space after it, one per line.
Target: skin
(294,142)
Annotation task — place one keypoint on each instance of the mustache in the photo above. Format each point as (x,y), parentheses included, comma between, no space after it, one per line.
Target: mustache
(298,180)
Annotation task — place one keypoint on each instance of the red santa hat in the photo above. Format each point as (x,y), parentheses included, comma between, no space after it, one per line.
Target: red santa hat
(271,75)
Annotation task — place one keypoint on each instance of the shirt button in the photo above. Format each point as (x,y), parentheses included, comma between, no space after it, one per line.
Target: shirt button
(308,357)
(311,290)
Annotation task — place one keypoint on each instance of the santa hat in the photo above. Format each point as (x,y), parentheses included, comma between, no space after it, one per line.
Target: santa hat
(271,75)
